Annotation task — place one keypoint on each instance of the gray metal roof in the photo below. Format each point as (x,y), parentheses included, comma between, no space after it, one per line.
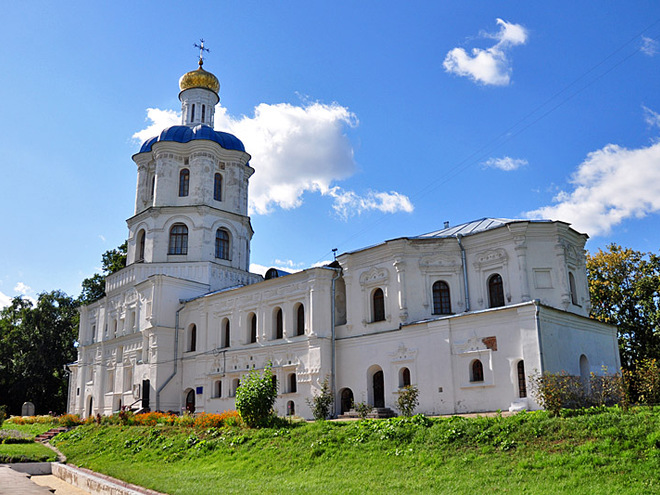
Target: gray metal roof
(473,227)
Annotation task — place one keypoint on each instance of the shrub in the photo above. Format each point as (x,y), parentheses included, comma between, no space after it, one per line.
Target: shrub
(256,396)
(3,414)
(642,383)
(408,400)
(321,403)
(362,408)
(555,391)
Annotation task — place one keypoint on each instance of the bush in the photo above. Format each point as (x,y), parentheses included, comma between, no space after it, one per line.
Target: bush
(3,414)
(321,403)
(362,408)
(556,391)
(408,400)
(642,383)
(255,397)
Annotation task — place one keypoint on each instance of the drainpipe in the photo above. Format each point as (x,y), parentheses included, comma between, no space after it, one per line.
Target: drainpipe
(334,354)
(176,352)
(465,277)
(538,331)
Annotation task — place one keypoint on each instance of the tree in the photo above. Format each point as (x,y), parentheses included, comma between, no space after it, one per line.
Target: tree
(255,397)
(321,403)
(408,400)
(36,342)
(624,286)
(93,288)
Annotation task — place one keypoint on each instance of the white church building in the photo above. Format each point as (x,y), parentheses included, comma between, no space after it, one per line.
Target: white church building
(465,313)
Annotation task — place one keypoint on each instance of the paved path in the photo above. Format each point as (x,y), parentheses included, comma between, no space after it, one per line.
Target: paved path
(15,483)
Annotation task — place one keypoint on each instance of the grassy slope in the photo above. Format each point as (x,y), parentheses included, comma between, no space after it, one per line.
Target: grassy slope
(26,452)
(30,429)
(611,452)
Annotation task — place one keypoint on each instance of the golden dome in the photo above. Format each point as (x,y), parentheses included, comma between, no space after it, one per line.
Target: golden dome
(199,79)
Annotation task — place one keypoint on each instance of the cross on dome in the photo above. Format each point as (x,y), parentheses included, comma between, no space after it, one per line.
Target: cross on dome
(201,50)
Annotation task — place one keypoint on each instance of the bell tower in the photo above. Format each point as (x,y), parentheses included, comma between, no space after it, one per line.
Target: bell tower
(191,195)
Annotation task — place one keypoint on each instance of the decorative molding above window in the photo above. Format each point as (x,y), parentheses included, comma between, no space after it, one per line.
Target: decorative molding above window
(491,257)
(440,260)
(403,353)
(374,276)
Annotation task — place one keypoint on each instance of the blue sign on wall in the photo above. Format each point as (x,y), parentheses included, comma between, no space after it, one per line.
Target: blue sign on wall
(200,390)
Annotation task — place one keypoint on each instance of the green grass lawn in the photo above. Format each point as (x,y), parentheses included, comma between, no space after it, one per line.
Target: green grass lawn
(26,452)
(607,452)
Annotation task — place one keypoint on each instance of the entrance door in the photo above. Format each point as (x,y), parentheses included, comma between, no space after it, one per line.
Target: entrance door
(346,400)
(190,402)
(379,389)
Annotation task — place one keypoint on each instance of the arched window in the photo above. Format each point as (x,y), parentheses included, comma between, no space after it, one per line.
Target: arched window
(522,384)
(222,244)
(203,112)
(192,338)
(153,186)
(290,408)
(404,377)
(378,303)
(252,319)
(140,246)
(300,320)
(192,113)
(218,389)
(217,187)
(279,324)
(184,182)
(292,383)
(476,371)
(441,299)
(226,333)
(571,287)
(178,239)
(495,291)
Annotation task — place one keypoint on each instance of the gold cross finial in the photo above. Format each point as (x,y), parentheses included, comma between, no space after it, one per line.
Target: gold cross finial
(201,50)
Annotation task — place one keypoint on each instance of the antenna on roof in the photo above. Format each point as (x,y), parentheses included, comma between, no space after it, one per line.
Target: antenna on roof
(334,253)
(201,50)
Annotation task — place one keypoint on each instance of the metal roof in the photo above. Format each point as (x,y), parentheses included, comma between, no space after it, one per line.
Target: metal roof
(185,134)
(473,227)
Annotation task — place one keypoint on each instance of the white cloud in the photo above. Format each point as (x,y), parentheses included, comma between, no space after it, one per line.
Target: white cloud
(5,300)
(102,237)
(490,65)
(160,119)
(651,118)
(613,184)
(294,149)
(348,203)
(22,288)
(649,46)
(505,163)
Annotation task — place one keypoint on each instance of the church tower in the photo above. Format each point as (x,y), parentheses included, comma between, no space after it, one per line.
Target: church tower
(191,198)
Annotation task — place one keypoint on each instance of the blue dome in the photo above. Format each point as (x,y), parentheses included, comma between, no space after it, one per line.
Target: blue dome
(185,134)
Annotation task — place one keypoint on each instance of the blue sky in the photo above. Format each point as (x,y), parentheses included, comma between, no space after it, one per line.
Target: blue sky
(365,120)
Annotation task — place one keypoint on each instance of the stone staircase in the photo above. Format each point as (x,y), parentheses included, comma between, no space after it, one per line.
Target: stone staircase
(45,437)
(376,413)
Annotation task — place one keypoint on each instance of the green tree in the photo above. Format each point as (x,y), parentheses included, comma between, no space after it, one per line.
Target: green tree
(36,342)
(321,403)
(93,288)
(255,397)
(624,286)
(408,400)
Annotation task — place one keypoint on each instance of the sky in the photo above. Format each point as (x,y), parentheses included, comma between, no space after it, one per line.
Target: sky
(366,121)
